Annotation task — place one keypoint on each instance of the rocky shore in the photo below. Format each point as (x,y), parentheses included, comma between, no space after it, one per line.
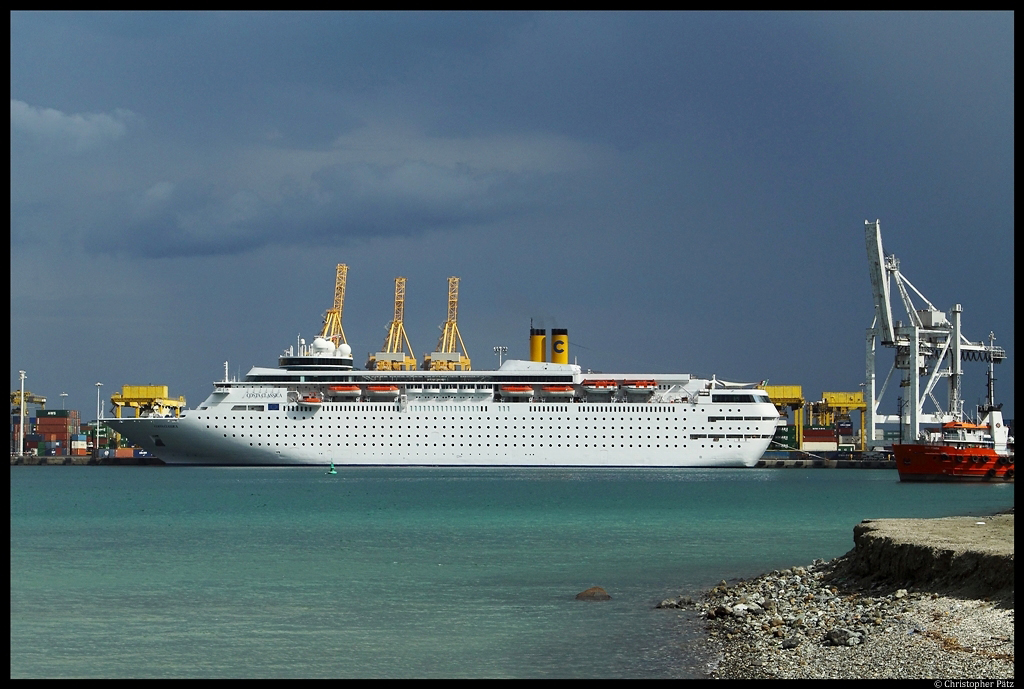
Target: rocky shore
(914,599)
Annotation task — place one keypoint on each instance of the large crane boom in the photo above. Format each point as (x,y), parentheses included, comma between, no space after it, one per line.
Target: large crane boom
(332,329)
(450,354)
(393,357)
(879,280)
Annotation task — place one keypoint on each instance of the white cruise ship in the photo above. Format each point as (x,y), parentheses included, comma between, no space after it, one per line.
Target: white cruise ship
(314,408)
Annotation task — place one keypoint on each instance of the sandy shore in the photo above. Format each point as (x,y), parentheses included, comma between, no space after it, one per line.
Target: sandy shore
(925,599)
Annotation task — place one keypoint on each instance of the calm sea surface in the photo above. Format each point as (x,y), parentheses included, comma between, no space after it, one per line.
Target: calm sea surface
(411,572)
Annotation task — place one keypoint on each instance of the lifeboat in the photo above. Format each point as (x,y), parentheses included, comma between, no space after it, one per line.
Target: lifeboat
(382,392)
(558,390)
(640,387)
(600,386)
(311,400)
(517,390)
(343,391)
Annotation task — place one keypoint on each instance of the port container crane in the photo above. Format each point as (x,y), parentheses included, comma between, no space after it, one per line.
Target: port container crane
(450,354)
(37,400)
(929,346)
(332,329)
(789,397)
(393,356)
(147,400)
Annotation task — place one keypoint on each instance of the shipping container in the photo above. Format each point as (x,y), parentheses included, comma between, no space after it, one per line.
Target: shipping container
(54,412)
(820,446)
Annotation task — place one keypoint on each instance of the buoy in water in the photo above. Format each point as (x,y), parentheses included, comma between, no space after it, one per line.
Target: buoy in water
(332,471)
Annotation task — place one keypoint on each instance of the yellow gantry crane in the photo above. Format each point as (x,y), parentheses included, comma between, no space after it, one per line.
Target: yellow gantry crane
(147,400)
(394,356)
(29,399)
(448,357)
(789,397)
(836,406)
(332,319)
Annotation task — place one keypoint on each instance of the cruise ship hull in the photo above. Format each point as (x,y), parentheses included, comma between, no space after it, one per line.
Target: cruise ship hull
(679,430)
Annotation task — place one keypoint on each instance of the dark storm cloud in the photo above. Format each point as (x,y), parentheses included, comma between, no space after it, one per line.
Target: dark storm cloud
(341,203)
(698,178)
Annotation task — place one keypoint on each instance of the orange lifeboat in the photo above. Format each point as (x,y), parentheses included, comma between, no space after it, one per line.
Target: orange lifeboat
(381,392)
(343,391)
(605,386)
(312,400)
(517,390)
(558,390)
(640,387)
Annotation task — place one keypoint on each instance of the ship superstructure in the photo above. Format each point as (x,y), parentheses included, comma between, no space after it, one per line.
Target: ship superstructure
(315,408)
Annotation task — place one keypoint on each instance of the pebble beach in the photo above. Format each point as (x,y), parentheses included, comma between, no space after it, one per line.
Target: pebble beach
(835,620)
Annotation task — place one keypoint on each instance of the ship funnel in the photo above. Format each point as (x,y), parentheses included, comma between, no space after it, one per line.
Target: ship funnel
(538,344)
(559,346)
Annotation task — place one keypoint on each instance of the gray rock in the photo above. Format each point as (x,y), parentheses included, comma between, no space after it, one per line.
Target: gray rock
(843,637)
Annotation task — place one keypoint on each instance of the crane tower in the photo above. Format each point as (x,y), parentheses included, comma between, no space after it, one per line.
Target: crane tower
(394,356)
(930,346)
(448,357)
(332,319)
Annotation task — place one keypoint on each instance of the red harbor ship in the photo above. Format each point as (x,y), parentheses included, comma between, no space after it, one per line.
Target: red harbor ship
(959,451)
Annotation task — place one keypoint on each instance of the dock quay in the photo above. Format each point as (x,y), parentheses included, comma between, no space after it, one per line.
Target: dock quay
(832,460)
(65,460)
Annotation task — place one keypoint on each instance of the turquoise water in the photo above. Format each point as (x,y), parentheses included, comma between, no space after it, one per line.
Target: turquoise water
(410,572)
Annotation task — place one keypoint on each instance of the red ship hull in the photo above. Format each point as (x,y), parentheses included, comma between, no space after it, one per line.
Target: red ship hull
(923,462)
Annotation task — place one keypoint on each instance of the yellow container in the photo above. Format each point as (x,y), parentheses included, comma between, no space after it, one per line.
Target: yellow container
(538,343)
(559,346)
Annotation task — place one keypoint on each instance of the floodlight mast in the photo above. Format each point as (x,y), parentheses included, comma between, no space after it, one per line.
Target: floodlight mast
(931,346)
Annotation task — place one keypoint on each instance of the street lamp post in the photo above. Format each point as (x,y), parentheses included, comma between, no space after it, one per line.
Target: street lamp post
(500,351)
(99,411)
(21,415)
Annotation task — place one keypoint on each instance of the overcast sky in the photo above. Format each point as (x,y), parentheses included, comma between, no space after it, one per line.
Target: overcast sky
(682,192)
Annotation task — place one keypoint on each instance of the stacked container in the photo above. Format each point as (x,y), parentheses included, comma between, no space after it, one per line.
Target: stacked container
(784,438)
(56,426)
(820,439)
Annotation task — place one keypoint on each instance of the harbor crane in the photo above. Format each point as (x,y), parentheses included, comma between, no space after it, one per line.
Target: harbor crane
(929,346)
(393,357)
(38,400)
(448,357)
(332,329)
